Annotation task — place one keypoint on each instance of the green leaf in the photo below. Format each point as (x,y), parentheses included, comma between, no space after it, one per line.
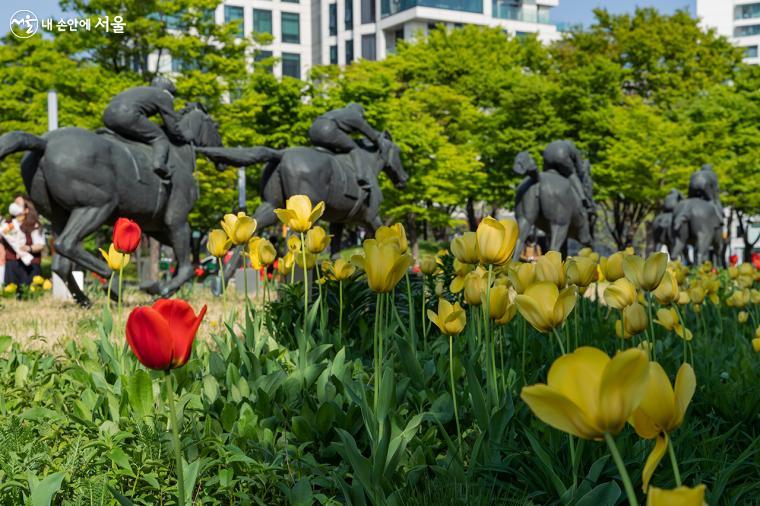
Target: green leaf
(22,372)
(42,492)
(605,494)
(120,458)
(546,465)
(140,393)
(229,416)
(210,388)
(123,501)
(190,473)
(5,343)
(301,494)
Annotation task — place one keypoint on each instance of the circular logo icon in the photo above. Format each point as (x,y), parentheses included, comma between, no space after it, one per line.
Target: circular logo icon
(24,24)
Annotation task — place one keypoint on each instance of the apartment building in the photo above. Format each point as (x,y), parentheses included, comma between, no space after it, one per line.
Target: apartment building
(739,20)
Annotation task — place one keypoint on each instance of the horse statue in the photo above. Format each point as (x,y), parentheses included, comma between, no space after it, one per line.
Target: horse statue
(351,194)
(698,220)
(556,200)
(80,180)
(662,225)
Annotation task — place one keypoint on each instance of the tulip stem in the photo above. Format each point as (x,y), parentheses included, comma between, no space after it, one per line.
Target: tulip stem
(559,340)
(377,346)
(454,392)
(651,325)
(245,283)
(108,297)
(121,271)
(340,312)
(224,289)
(175,438)
(523,332)
(674,463)
(410,303)
(424,323)
(621,469)
(305,284)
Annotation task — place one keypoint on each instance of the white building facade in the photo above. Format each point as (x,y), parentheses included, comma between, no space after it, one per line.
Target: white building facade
(739,20)
(315,32)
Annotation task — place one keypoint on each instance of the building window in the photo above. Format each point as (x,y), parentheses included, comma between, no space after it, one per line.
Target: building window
(291,1)
(291,31)
(746,31)
(333,19)
(261,56)
(368,11)
(291,65)
(368,47)
(390,7)
(750,52)
(235,14)
(262,21)
(398,36)
(543,14)
(349,51)
(747,11)
(349,14)
(333,55)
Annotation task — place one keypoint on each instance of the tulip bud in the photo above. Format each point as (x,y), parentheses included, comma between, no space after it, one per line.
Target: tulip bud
(299,214)
(620,294)
(742,317)
(549,268)
(474,284)
(634,319)
(612,266)
(239,228)
(317,240)
(47,285)
(285,264)
(395,232)
(496,240)
(342,270)
(581,271)
(450,319)
(116,261)
(697,294)
(645,275)
(428,265)
(499,301)
(756,344)
(667,291)
(38,280)
(126,235)
(267,253)
(465,248)
(218,243)
(294,244)
(522,276)
(439,289)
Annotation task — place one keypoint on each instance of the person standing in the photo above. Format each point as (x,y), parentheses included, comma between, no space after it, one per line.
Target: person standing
(23,258)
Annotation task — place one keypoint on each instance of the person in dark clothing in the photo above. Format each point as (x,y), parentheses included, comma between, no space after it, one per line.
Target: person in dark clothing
(703,184)
(128,112)
(23,265)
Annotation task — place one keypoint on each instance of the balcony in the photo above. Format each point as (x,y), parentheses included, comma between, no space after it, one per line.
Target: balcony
(749,11)
(507,9)
(390,7)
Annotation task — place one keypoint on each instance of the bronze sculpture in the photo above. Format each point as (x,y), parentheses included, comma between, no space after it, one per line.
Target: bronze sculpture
(662,225)
(558,200)
(80,180)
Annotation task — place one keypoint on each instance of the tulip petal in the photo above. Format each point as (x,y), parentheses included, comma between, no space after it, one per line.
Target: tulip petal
(577,376)
(659,401)
(622,387)
(556,410)
(654,458)
(633,266)
(686,384)
(183,324)
(150,338)
(654,269)
(285,216)
(317,212)
(643,425)
(531,311)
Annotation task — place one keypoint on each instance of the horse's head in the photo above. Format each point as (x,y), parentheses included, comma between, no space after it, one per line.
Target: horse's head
(199,128)
(391,155)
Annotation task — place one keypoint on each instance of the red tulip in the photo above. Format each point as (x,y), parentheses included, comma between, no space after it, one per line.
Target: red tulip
(126,235)
(161,336)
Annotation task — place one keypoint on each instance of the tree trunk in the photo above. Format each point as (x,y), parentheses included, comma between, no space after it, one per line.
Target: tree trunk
(744,227)
(155,257)
(472,220)
(411,233)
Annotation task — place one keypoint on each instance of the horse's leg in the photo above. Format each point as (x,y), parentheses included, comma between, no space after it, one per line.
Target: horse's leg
(63,267)
(558,236)
(179,240)
(336,229)
(82,222)
(702,247)
(264,215)
(371,225)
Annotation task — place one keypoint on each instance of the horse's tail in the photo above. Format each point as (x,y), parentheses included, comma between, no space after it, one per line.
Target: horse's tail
(17,141)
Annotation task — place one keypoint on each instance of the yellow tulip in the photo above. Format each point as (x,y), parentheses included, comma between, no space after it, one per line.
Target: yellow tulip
(496,240)
(285,264)
(756,344)
(522,276)
(294,244)
(544,306)
(239,228)
(620,294)
(439,289)
(739,298)
(465,248)
(742,317)
(341,270)
(428,265)
(261,252)
(683,298)
(581,271)
(450,319)
(475,284)
(588,394)
(115,260)
(461,270)
(383,263)
(47,285)
(317,240)
(37,280)
(697,294)
(298,214)
(395,232)
(661,411)
(311,259)
(681,496)
(754,296)
(645,275)
(667,291)
(668,319)
(218,243)
(10,288)
(733,272)
(549,268)
(612,266)
(635,320)
(500,308)
(745,269)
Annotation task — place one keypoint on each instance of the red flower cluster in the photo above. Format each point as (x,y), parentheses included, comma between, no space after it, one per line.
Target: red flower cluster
(126,235)
(161,336)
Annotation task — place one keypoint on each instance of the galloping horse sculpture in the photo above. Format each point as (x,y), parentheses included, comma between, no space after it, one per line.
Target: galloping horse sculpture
(662,225)
(351,194)
(556,200)
(80,180)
